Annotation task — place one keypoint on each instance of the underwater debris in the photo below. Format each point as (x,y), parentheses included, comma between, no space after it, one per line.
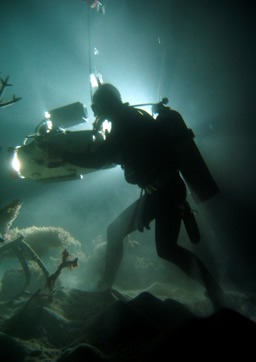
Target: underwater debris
(8,214)
(96,4)
(21,248)
(66,263)
(33,242)
(4,84)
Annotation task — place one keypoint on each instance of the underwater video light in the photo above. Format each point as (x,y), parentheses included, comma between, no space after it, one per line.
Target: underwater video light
(40,156)
(15,164)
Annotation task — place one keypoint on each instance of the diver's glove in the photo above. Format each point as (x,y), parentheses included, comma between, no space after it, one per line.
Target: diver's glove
(142,223)
(141,227)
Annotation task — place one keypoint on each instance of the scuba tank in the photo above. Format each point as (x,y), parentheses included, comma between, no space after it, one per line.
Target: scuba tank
(180,141)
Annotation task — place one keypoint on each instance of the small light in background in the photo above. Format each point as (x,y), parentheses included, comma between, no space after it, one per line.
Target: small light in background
(95,51)
(47,115)
(95,79)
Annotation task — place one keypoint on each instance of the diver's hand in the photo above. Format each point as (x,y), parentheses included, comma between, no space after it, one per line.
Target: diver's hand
(141,224)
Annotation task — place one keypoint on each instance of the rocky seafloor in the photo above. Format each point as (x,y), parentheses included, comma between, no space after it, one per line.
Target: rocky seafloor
(76,325)
(152,314)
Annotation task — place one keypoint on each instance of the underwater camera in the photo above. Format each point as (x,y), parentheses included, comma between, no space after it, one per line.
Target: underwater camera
(39,158)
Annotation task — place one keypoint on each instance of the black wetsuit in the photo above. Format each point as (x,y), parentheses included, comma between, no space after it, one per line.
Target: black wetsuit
(143,148)
(137,142)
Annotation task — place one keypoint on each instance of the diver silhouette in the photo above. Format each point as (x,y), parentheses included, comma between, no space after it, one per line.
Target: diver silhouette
(146,150)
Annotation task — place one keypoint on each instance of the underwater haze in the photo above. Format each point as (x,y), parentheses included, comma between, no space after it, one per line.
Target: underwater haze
(201,55)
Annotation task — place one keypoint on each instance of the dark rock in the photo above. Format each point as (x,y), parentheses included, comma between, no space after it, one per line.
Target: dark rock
(126,326)
(162,313)
(225,331)
(11,349)
(99,327)
(81,353)
(34,321)
(147,328)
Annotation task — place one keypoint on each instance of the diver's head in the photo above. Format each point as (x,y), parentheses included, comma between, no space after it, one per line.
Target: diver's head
(106,100)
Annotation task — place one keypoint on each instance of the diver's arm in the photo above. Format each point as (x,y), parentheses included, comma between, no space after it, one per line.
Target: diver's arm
(95,159)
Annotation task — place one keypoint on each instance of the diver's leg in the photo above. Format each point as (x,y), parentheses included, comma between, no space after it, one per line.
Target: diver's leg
(167,230)
(124,224)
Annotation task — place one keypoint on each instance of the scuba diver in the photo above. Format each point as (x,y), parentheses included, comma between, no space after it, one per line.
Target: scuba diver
(145,149)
